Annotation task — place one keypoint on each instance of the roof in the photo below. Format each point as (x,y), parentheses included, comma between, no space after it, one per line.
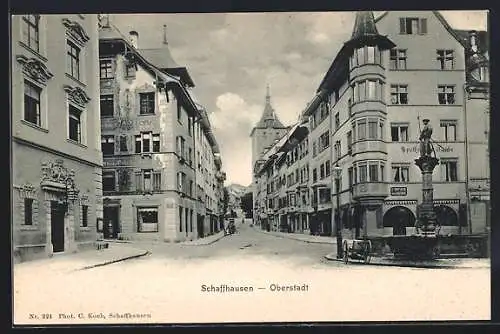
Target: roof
(269,118)
(162,58)
(364,33)
(364,25)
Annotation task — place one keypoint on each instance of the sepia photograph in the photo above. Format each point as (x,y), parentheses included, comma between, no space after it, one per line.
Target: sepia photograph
(250,167)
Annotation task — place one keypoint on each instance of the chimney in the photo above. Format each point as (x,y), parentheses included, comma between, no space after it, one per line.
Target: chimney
(134,38)
(104,20)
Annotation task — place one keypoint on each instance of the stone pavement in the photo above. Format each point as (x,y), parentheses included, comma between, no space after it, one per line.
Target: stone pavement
(438,263)
(300,237)
(204,241)
(63,263)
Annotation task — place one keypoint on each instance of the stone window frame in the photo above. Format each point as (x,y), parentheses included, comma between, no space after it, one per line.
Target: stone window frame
(37,74)
(76,97)
(25,191)
(76,35)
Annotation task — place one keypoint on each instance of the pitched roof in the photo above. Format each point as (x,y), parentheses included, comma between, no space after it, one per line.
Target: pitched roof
(162,58)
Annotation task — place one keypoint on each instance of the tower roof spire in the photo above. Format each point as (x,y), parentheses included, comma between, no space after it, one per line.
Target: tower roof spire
(269,118)
(364,25)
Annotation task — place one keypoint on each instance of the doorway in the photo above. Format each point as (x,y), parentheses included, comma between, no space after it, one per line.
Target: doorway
(111,222)
(57,212)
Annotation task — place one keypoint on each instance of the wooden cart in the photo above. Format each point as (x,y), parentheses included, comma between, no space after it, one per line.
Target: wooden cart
(360,250)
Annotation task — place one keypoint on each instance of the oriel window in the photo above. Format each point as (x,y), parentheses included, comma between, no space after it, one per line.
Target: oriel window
(32,103)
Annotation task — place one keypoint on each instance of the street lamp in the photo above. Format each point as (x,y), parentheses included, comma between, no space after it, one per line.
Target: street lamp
(338,173)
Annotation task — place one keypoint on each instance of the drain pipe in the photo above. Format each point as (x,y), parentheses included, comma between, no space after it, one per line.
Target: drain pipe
(466,142)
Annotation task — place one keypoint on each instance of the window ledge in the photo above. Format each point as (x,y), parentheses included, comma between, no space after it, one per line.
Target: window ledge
(75,80)
(29,228)
(34,126)
(34,52)
(84,228)
(76,143)
(147,114)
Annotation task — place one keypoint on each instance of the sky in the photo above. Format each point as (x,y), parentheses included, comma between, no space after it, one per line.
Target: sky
(233,56)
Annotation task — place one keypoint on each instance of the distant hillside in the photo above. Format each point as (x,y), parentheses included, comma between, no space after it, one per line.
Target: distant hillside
(237,190)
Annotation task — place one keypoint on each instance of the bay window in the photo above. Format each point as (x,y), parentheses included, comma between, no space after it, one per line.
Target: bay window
(368,90)
(367,171)
(366,55)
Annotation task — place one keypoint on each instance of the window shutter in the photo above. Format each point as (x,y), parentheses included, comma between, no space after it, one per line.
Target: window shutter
(402,25)
(423,26)
(117,144)
(138,181)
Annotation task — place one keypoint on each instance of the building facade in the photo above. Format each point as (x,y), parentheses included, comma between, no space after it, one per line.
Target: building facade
(149,122)
(365,120)
(209,177)
(264,135)
(56,153)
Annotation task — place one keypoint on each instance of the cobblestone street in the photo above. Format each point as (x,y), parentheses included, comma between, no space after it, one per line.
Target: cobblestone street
(166,286)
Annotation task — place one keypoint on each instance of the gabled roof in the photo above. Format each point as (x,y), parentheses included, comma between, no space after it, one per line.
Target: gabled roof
(110,33)
(162,58)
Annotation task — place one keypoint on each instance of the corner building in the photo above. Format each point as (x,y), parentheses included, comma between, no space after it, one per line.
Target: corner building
(394,72)
(56,154)
(365,120)
(148,118)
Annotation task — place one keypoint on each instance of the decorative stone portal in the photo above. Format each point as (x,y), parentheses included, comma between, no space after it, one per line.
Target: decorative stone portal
(60,195)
